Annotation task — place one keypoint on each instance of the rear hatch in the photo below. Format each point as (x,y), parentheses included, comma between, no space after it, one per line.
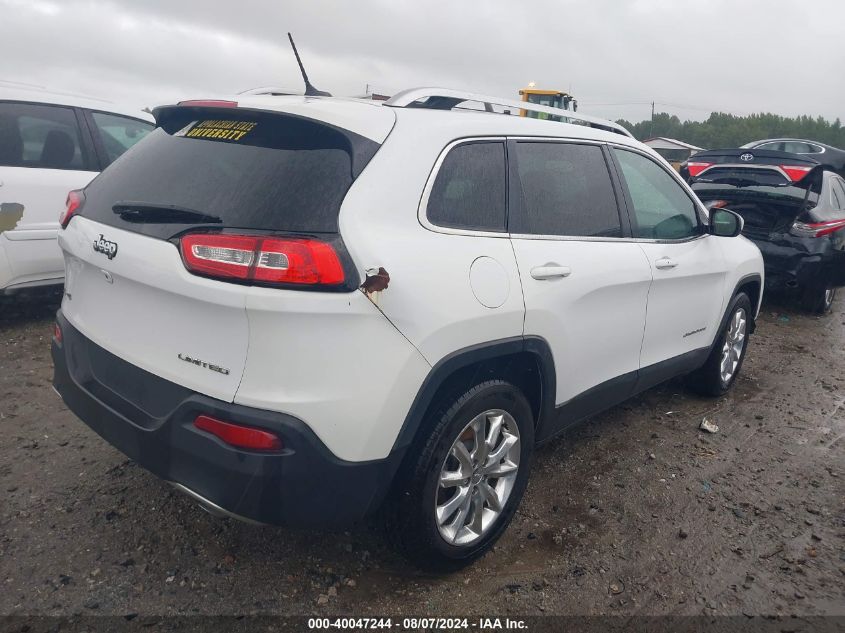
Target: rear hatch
(162,253)
(770,190)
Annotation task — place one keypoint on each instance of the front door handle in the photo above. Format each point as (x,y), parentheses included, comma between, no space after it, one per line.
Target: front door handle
(550,271)
(665,263)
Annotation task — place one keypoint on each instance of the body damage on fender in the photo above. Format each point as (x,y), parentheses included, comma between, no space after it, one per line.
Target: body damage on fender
(10,215)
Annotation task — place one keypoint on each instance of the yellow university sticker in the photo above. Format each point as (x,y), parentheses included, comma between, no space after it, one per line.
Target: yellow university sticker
(221,130)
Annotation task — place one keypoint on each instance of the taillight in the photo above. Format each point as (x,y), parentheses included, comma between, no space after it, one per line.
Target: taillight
(266,260)
(695,168)
(816,229)
(57,333)
(795,172)
(240,436)
(209,103)
(74,202)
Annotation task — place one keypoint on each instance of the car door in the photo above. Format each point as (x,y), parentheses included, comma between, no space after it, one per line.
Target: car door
(685,302)
(585,283)
(43,155)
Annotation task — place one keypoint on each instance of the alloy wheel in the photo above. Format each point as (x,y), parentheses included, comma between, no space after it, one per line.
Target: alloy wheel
(829,293)
(477,477)
(734,344)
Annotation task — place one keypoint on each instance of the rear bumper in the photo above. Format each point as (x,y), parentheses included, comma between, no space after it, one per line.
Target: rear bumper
(801,263)
(151,419)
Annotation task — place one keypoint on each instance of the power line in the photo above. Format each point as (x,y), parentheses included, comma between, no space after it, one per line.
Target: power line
(677,106)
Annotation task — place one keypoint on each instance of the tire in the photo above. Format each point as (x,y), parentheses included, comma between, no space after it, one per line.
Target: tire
(715,378)
(818,300)
(456,541)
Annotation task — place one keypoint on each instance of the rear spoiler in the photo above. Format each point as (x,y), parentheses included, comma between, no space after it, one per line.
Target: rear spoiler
(794,167)
(174,118)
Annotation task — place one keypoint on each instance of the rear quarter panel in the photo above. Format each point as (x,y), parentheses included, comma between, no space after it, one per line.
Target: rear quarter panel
(430,298)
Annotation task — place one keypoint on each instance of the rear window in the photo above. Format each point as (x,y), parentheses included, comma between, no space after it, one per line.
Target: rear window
(470,189)
(247,170)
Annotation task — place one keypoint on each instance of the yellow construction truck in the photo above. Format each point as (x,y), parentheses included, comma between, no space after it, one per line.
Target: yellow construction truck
(551,98)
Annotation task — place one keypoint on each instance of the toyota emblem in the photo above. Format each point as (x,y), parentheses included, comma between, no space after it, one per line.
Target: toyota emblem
(746,157)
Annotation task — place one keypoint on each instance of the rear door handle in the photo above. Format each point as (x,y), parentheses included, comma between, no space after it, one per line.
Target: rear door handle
(550,271)
(664,263)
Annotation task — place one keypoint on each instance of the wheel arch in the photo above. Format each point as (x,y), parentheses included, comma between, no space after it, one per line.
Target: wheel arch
(752,286)
(526,362)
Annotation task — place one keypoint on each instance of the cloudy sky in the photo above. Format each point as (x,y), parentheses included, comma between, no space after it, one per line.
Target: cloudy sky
(616,56)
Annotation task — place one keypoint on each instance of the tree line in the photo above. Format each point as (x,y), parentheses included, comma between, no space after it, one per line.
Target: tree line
(728,130)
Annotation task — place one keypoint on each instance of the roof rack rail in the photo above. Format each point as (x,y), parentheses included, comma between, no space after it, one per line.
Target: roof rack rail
(446,99)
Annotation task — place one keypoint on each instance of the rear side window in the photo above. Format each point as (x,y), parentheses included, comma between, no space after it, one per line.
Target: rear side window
(797,147)
(837,191)
(41,136)
(566,190)
(118,133)
(470,189)
(662,209)
(244,170)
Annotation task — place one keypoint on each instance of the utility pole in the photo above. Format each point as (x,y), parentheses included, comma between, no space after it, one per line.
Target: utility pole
(651,134)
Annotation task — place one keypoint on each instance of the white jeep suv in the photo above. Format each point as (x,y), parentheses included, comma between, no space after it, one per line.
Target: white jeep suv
(301,310)
(50,143)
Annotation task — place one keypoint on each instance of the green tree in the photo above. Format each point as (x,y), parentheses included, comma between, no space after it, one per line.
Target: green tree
(728,130)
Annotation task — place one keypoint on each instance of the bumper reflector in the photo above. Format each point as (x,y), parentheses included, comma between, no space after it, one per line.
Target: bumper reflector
(239,436)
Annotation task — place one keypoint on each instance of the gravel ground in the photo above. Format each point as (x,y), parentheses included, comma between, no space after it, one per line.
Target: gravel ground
(637,512)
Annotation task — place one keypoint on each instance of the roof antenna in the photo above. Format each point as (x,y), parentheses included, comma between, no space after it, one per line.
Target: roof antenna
(310,91)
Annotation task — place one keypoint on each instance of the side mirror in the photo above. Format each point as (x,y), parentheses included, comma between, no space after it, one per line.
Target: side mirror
(725,223)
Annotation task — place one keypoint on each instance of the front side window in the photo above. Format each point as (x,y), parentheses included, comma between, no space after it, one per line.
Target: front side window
(470,191)
(119,133)
(662,209)
(566,190)
(42,136)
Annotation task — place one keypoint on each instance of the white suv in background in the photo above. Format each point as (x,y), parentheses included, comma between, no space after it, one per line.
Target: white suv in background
(301,310)
(50,143)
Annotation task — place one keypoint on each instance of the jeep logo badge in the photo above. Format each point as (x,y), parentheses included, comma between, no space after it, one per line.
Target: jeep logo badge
(109,249)
(746,157)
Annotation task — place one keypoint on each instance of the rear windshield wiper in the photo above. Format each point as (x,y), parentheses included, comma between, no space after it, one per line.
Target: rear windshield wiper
(162,214)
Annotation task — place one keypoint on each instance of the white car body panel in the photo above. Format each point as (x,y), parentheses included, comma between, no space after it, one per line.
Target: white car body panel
(332,359)
(30,246)
(10,91)
(686,302)
(145,307)
(430,299)
(593,319)
(30,253)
